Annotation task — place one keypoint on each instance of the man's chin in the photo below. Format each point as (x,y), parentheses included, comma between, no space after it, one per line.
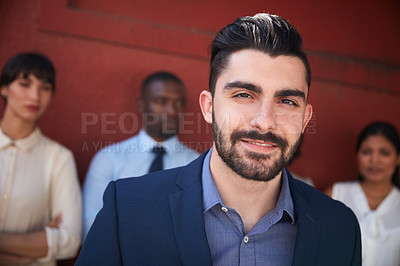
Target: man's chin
(170,127)
(259,176)
(170,132)
(256,166)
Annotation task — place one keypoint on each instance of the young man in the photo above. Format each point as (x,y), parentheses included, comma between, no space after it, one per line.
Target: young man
(237,204)
(162,103)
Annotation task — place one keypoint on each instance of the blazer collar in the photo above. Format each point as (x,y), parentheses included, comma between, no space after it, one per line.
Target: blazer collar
(187,215)
(308,226)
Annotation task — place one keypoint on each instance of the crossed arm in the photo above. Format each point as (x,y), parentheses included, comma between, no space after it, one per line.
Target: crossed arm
(17,248)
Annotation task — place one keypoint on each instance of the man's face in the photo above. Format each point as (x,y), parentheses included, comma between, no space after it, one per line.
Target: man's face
(162,103)
(259,113)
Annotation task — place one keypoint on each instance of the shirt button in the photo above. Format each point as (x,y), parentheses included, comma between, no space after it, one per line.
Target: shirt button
(224,209)
(246,239)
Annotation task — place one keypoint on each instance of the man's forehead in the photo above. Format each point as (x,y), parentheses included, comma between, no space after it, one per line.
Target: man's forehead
(256,67)
(166,88)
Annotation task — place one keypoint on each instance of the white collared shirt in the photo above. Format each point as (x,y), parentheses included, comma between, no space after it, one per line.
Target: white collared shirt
(38,180)
(380,228)
(129,158)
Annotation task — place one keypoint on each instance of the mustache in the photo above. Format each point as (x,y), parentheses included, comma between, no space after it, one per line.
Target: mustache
(253,134)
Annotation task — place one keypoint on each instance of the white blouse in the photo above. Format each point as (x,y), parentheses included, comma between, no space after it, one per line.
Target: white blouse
(380,228)
(38,180)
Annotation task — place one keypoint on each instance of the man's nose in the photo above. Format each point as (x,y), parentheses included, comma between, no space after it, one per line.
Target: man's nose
(264,119)
(171,109)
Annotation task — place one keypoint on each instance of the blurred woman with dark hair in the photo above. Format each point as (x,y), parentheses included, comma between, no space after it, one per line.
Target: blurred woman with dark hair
(375,196)
(40,197)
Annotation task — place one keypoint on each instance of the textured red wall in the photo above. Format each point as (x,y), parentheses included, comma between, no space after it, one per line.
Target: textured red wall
(103,49)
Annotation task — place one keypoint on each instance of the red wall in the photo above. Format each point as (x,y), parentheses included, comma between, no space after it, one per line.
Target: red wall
(102,51)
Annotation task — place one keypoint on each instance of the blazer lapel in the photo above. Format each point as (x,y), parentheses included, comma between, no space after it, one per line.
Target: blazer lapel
(187,216)
(308,228)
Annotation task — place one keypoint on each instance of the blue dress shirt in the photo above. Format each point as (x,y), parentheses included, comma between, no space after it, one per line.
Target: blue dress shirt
(128,158)
(270,242)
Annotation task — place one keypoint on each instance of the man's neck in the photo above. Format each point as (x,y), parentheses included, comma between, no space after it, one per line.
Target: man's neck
(251,199)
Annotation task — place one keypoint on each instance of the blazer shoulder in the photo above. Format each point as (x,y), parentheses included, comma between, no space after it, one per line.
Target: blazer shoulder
(164,182)
(150,183)
(327,207)
(328,224)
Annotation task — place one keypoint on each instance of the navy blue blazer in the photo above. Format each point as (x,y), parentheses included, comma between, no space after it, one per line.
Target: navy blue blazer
(157,219)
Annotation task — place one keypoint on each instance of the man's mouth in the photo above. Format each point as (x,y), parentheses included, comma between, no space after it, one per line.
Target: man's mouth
(263,144)
(260,143)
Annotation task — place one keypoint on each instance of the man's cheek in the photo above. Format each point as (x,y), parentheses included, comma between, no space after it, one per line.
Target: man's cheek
(291,124)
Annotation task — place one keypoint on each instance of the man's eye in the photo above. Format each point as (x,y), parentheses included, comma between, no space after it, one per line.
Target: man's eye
(289,102)
(160,101)
(242,95)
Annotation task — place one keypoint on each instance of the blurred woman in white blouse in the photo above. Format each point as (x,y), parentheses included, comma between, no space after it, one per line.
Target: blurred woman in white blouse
(375,197)
(40,197)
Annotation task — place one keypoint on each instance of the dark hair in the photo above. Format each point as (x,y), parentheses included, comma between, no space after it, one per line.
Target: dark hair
(264,32)
(26,64)
(390,133)
(157,76)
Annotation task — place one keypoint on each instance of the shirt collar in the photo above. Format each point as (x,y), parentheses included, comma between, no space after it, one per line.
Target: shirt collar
(211,196)
(148,143)
(25,144)
(285,201)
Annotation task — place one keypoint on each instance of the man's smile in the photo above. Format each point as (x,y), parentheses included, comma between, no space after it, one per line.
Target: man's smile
(260,143)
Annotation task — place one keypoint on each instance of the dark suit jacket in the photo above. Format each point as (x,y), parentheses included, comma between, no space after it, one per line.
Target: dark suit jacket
(157,219)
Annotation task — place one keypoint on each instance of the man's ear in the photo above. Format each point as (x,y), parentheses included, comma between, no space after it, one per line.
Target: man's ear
(307,116)
(140,105)
(205,101)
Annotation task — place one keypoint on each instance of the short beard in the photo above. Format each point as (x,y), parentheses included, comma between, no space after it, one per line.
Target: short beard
(253,169)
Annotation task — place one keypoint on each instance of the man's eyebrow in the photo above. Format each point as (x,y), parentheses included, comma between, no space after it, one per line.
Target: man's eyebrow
(243,85)
(290,92)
